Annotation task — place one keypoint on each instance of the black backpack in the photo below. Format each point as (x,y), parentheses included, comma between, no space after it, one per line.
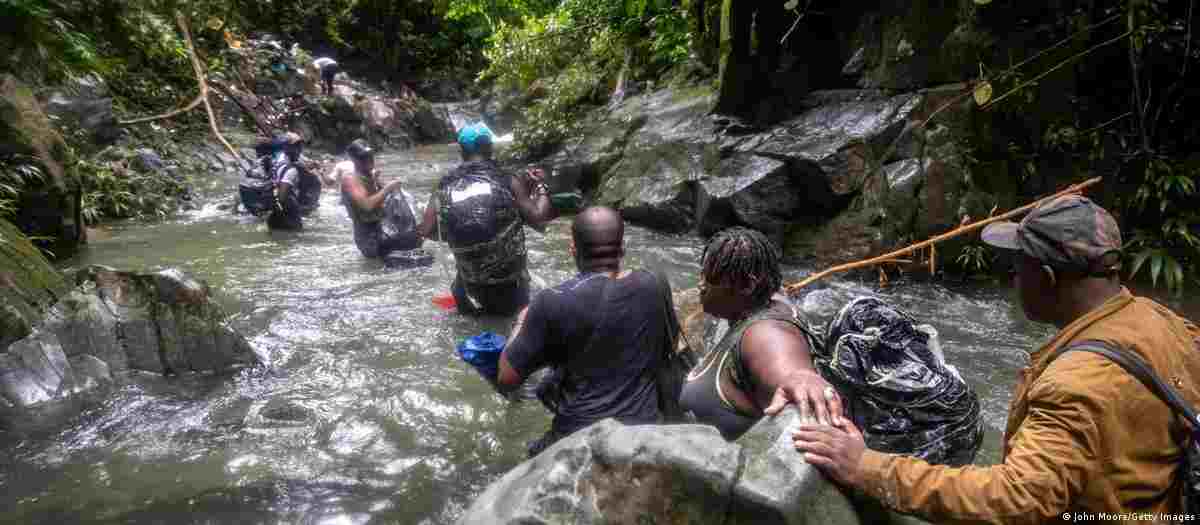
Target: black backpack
(1189,461)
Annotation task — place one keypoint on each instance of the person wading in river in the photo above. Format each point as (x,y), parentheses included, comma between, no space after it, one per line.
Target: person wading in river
(297,191)
(1083,435)
(766,351)
(481,213)
(377,233)
(603,330)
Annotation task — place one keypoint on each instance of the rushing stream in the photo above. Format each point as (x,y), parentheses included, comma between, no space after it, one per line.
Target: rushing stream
(365,414)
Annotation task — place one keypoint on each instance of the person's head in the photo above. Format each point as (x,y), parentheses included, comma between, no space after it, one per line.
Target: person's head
(476,141)
(739,272)
(598,239)
(293,145)
(362,155)
(1068,257)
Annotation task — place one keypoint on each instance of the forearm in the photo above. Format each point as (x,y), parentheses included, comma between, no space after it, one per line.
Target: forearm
(1002,494)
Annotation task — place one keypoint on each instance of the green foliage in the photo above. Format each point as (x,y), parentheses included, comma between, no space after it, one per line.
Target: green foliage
(34,32)
(569,56)
(16,173)
(1173,249)
(112,190)
(975,258)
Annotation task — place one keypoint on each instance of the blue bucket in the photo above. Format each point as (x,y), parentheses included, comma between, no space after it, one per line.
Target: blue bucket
(483,352)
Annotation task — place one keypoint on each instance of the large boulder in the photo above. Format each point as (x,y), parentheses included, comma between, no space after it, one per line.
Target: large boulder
(671,170)
(116,322)
(655,185)
(668,146)
(612,473)
(48,205)
(355,111)
(85,104)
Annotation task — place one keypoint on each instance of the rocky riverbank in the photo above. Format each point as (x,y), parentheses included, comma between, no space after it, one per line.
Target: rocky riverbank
(64,336)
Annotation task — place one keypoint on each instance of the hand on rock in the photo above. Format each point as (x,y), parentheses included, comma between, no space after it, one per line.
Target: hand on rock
(836,450)
(813,396)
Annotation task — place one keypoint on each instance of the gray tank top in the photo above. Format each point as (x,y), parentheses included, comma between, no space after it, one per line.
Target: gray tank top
(702,394)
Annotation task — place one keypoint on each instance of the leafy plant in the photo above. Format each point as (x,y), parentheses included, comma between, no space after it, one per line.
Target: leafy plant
(975,258)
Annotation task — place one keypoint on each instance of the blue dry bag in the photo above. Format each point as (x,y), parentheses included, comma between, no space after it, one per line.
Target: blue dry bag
(483,352)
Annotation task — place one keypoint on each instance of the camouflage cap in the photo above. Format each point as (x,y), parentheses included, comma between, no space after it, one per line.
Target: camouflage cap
(1070,232)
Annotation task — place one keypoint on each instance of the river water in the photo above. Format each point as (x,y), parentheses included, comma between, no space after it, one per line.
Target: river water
(365,414)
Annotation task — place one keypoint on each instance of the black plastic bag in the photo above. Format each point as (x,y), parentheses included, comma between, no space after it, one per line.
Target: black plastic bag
(899,390)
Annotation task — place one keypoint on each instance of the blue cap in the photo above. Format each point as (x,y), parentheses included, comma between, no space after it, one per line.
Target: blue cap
(474,135)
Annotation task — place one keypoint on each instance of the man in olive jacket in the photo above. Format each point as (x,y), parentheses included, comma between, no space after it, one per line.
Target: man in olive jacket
(1083,436)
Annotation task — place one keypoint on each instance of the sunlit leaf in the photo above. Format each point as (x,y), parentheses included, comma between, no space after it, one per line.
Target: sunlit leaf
(983,92)
(982,2)
(215,23)
(1156,264)
(1138,261)
(791,5)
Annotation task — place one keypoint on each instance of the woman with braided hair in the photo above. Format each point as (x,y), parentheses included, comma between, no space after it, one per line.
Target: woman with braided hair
(764,358)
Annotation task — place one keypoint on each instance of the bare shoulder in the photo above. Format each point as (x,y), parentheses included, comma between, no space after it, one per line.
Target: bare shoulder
(771,335)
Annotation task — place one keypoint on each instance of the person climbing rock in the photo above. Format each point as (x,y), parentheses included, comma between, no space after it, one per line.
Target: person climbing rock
(1084,436)
(603,330)
(766,356)
(384,223)
(481,213)
(297,190)
(328,68)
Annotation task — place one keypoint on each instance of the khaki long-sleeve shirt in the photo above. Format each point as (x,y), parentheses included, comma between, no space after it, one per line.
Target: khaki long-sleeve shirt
(1083,436)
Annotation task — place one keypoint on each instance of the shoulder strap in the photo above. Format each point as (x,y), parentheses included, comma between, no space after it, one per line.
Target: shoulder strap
(1138,368)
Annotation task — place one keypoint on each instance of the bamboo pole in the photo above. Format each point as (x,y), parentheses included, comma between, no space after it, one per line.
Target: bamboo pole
(893,256)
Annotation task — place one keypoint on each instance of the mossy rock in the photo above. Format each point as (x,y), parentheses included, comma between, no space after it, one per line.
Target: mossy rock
(28,285)
(48,208)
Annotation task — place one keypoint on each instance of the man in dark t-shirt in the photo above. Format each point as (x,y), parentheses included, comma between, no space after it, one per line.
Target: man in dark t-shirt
(603,331)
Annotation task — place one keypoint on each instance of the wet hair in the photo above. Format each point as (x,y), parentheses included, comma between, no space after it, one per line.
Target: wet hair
(738,256)
(599,235)
(360,150)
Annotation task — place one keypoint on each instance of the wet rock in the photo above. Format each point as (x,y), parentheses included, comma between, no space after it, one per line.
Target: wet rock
(655,186)
(612,473)
(148,161)
(354,112)
(114,322)
(49,209)
(85,104)
(286,411)
(90,372)
(232,413)
(580,164)
(837,137)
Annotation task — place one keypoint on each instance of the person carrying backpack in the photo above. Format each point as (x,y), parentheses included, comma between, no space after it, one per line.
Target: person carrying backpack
(481,213)
(1085,435)
(297,191)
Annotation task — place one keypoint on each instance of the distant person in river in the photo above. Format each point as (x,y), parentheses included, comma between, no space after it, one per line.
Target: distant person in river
(1084,436)
(764,360)
(481,213)
(603,331)
(384,223)
(297,191)
(328,69)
